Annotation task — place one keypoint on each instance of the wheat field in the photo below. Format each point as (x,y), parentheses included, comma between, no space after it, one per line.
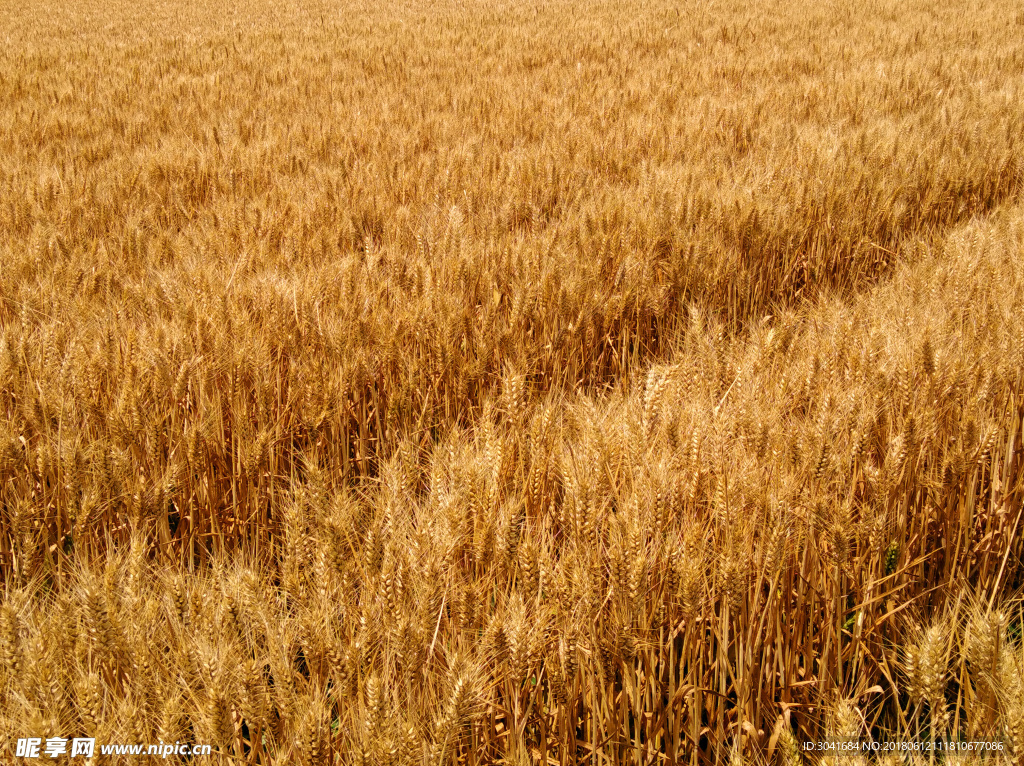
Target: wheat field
(488,382)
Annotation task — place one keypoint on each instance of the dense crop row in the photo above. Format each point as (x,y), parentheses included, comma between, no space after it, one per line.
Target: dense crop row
(609,382)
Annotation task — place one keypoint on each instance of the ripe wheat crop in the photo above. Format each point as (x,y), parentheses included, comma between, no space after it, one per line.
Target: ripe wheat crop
(502,382)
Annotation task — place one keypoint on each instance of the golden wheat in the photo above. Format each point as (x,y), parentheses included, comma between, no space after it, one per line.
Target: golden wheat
(493,382)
